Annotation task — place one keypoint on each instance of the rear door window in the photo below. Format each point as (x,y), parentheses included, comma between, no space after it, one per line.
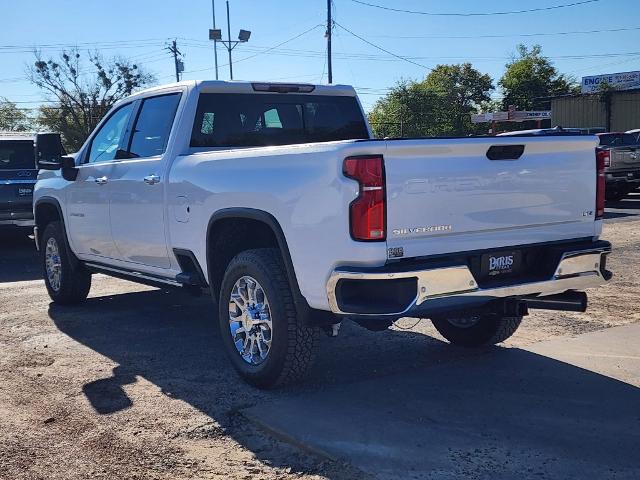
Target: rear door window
(247,120)
(153,125)
(17,155)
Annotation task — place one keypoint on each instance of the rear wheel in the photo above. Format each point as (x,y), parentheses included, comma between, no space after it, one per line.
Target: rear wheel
(66,280)
(471,330)
(264,338)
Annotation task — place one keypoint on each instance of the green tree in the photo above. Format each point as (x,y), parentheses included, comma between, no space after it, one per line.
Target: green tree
(441,104)
(529,76)
(404,112)
(12,118)
(461,90)
(82,95)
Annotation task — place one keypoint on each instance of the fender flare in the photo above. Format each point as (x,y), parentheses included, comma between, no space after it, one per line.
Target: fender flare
(56,203)
(47,201)
(260,215)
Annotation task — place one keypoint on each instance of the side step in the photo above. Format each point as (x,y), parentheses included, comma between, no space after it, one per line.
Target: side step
(145,278)
(191,277)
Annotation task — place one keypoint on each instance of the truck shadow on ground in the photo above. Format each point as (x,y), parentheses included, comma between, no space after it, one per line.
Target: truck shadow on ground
(397,401)
(627,207)
(18,256)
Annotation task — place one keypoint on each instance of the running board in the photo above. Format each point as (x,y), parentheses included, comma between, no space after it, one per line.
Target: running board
(132,275)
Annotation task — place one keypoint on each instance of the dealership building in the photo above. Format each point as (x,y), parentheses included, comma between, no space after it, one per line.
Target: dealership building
(615,109)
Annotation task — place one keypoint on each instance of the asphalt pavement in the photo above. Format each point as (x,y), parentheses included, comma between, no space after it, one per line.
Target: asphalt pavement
(562,409)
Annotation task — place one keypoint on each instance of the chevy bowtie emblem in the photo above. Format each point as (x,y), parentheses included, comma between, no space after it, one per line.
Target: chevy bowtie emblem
(24,173)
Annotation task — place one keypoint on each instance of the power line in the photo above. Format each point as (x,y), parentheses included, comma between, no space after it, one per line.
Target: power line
(539,34)
(280,44)
(475,14)
(267,50)
(380,48)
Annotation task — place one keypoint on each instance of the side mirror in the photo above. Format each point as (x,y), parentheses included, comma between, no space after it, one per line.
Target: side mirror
(49,151)
(69,169)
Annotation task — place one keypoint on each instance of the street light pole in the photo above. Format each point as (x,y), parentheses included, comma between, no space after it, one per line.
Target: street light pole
(229,40)
(216,35)
(215,42)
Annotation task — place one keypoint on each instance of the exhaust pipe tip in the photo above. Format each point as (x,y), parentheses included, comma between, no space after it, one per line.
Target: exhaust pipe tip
(569,301)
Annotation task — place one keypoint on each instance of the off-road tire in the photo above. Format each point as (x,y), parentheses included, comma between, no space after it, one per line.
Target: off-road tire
(490,329)
(75,280)
(293,344)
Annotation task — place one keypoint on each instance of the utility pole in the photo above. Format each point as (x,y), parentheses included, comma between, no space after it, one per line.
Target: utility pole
(174,50)
(229,40)
(329,28)
(215,42)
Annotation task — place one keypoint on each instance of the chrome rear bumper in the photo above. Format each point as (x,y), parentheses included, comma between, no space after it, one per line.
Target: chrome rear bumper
(453,285)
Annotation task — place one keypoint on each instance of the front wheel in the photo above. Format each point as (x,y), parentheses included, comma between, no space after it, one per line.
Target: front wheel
(264,338)
(66,280)
(476,330)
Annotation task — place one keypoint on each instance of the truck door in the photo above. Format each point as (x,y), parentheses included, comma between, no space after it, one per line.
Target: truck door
(138,184)
(88,196)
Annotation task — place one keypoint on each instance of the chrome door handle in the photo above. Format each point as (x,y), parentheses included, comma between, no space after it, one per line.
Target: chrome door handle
(151,179)
(101,180)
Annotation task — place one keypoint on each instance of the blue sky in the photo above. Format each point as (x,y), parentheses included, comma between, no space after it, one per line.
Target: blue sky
(141,28)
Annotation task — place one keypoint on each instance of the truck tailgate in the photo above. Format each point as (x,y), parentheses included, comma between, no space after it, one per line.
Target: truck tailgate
(625,158)
(446,195)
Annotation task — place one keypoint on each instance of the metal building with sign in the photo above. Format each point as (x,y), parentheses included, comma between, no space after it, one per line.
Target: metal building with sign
(610,102)
(619,81)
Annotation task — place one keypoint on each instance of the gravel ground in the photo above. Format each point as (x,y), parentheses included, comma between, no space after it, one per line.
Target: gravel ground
(134,383)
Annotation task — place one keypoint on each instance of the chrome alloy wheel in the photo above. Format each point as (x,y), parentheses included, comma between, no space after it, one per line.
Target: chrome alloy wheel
(250,320)
(52,264)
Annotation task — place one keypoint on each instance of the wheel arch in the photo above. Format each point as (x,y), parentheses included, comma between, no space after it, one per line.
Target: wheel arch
(226,216)
(279,241)
(46,210)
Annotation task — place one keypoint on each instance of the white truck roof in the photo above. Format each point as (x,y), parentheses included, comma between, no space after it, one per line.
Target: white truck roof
(242,86)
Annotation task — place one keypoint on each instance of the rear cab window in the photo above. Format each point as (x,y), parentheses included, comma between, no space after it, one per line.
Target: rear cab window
(618,139)
(251,120)
(17,155)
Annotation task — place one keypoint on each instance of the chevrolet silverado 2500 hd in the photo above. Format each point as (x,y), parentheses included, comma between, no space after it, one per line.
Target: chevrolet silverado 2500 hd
(275,198)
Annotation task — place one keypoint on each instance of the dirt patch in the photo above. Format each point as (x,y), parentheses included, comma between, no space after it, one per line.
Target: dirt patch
(134,383)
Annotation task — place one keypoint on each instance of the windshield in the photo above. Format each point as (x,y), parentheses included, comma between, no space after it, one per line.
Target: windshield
(17,155)
(248,120)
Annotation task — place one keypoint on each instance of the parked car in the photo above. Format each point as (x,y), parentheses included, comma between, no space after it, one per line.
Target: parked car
(18,154)
(275,198)
(621,156)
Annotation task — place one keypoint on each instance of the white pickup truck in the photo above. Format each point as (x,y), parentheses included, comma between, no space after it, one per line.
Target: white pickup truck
(276,199)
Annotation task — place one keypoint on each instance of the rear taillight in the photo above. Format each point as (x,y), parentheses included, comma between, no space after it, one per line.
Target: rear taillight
(606,155)
(602,160)
(367,213)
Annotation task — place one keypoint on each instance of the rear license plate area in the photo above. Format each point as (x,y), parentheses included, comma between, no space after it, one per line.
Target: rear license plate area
(501,264)
(26,191)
